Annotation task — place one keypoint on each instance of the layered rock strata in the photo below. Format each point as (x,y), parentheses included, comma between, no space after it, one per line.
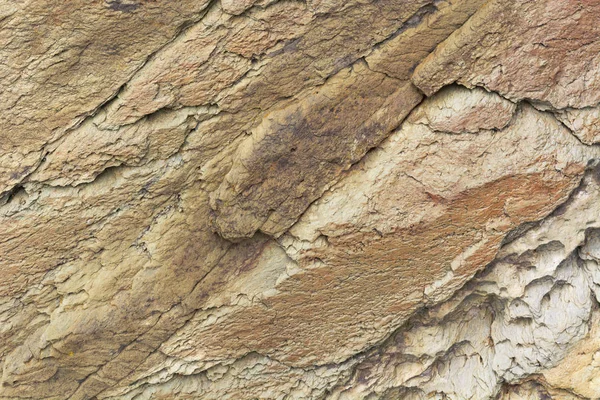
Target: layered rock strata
(300,200)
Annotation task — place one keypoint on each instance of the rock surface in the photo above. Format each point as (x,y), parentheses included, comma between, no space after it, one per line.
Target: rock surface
(327,199)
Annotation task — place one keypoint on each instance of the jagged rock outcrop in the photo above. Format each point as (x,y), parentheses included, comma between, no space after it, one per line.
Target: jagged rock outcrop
(300,200)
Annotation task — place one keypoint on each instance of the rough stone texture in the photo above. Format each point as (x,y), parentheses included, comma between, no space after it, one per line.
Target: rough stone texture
(456,109)
(544,51)
(300,200)
(584,122)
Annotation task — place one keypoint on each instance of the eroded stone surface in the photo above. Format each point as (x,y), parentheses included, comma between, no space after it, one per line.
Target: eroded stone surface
(531,390)
(458,110)
(309,143)
(252,199)
(514,320)
(545,51)
(61,61)
(585,123)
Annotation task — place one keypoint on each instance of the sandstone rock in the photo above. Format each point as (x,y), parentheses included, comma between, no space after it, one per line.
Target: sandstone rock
(236,7)
(61,61)
(544,51)
(310,143)
(299,200)
(531,390)
(585,123)
(512,321)
(459,110)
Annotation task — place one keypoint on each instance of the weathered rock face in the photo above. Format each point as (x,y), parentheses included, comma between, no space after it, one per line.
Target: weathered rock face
(300,200)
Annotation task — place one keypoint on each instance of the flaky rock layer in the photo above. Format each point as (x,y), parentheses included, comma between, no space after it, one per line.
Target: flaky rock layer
(326,199)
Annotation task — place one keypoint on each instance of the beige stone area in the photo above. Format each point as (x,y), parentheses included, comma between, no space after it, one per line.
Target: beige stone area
(323,135)
(62,60)
(519,317)
(532,390)
(547,51)
(578,372)
(456,109)
(584,122)
(280,199)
